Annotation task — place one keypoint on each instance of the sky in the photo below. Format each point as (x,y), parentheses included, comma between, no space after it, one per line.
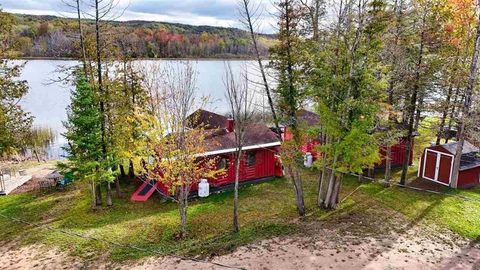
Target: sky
(196,12)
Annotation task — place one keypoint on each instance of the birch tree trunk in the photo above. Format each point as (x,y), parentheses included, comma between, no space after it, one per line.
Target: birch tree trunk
(182,208)
(109,194)
(388,165)
(238,158)
(466,112)
(94,195)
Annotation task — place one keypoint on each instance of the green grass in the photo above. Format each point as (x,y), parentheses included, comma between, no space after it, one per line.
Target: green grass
(266,210)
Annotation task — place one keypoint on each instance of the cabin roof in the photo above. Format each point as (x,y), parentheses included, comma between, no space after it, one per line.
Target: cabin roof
(256,136)
(207,120)
(308,117)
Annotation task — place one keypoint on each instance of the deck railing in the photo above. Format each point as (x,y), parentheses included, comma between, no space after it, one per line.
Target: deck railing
(2,185)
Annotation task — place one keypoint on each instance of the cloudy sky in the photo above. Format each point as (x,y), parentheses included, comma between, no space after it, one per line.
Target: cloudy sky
(196,12)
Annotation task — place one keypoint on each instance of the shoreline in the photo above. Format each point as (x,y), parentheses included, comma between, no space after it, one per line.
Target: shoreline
(148,59)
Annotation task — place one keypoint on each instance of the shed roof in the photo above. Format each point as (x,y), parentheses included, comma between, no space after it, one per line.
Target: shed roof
(467,148)
(469,161)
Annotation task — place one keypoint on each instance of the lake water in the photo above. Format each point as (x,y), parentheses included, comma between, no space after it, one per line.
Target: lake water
(47,100)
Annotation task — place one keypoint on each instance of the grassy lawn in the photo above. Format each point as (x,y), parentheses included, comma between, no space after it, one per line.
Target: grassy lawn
(266,210)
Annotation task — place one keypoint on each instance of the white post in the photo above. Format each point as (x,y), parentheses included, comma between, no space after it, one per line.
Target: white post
(2,185)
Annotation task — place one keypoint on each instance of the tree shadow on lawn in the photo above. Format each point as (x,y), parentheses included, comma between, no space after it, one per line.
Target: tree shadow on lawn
(152,224)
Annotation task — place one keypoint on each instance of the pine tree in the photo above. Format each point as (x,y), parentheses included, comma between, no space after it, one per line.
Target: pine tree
(84,137)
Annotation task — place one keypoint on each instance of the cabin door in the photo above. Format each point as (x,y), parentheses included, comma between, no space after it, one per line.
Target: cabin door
(437,166)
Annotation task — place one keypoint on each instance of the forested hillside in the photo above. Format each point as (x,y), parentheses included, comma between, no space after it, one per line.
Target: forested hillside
(50,36)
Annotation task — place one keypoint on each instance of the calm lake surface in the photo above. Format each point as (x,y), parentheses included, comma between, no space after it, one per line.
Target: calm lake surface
(48,98)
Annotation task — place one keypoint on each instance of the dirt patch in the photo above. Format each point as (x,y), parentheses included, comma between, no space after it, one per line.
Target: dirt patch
(367,238)
(426,184)
(36,257)
(330,250)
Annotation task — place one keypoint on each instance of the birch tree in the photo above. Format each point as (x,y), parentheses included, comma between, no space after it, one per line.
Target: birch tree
(240,101)
(178,161)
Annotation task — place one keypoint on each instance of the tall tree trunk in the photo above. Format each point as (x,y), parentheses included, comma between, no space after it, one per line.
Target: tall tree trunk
(298,188)
(182,208)
(260,63)
(109,194)
(412,107)
(467,103)
(443,119)
(122,171)
(131,169)
(331,184)
(418,114)
(36,155)
(117,187)
(452,113)
(98,194)
(82,42)
(94,195)
(388,165)
(99,76)
(334,198)
(238,157)
(322,182)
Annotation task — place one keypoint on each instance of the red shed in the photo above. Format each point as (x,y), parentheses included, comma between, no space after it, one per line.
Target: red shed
(436,164)
(259,161)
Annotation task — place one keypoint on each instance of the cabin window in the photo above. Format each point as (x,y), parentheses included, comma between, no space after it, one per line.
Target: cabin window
(251,158)
(223,163)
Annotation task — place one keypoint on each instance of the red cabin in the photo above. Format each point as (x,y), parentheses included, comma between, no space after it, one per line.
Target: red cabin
(305,118)
(259,161)
(436,164)
(308,118)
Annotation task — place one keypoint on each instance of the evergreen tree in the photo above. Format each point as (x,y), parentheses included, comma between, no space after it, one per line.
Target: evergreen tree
(85,138)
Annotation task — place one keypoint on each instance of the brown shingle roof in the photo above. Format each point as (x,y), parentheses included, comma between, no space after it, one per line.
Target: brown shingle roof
(255,134)
(308,117)
(207,120)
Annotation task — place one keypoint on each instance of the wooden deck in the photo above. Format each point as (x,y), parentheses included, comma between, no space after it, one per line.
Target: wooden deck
(11,183)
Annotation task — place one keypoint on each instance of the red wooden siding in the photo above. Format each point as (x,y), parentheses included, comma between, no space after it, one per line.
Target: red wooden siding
(398,155)
(469,178)
(428,162)
(266,165)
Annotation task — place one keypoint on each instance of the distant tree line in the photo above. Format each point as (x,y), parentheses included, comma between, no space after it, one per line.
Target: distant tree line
(49,36)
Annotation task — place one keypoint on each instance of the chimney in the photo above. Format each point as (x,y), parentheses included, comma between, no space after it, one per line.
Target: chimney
(230,124)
